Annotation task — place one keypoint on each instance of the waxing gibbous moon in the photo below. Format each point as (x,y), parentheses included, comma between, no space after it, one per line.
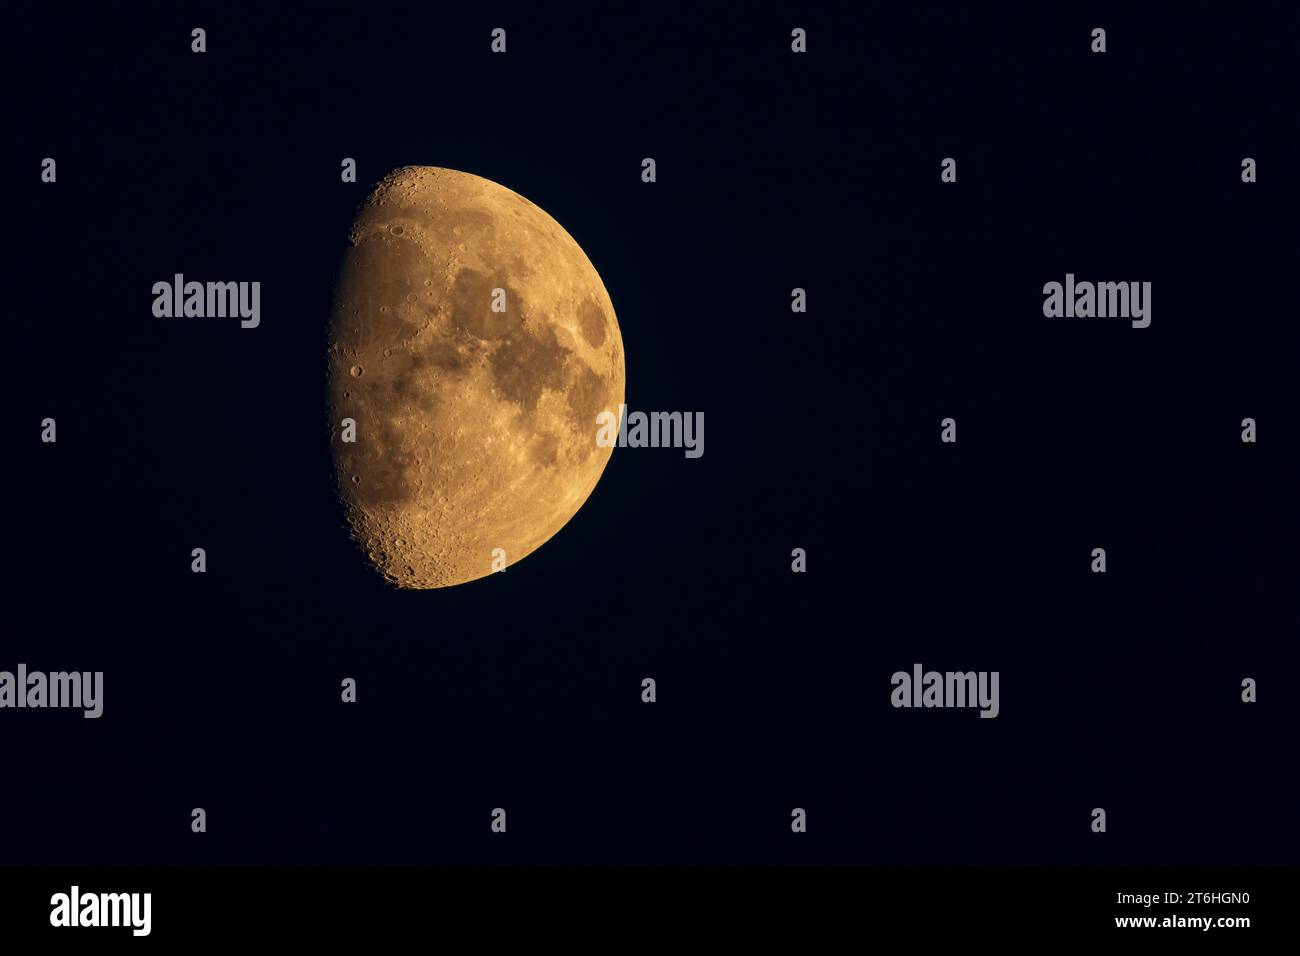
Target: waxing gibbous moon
(473,345)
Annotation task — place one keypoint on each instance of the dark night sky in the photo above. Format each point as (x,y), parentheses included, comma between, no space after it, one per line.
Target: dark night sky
(774,171)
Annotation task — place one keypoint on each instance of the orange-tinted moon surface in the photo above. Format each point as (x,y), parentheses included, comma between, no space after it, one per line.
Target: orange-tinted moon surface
(475,426)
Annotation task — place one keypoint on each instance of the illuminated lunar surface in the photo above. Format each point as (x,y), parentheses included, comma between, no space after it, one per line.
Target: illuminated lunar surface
(475,429)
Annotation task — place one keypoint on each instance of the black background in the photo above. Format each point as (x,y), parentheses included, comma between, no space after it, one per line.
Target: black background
(774,171)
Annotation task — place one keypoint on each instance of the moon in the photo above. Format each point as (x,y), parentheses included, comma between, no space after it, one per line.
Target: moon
(472,345)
